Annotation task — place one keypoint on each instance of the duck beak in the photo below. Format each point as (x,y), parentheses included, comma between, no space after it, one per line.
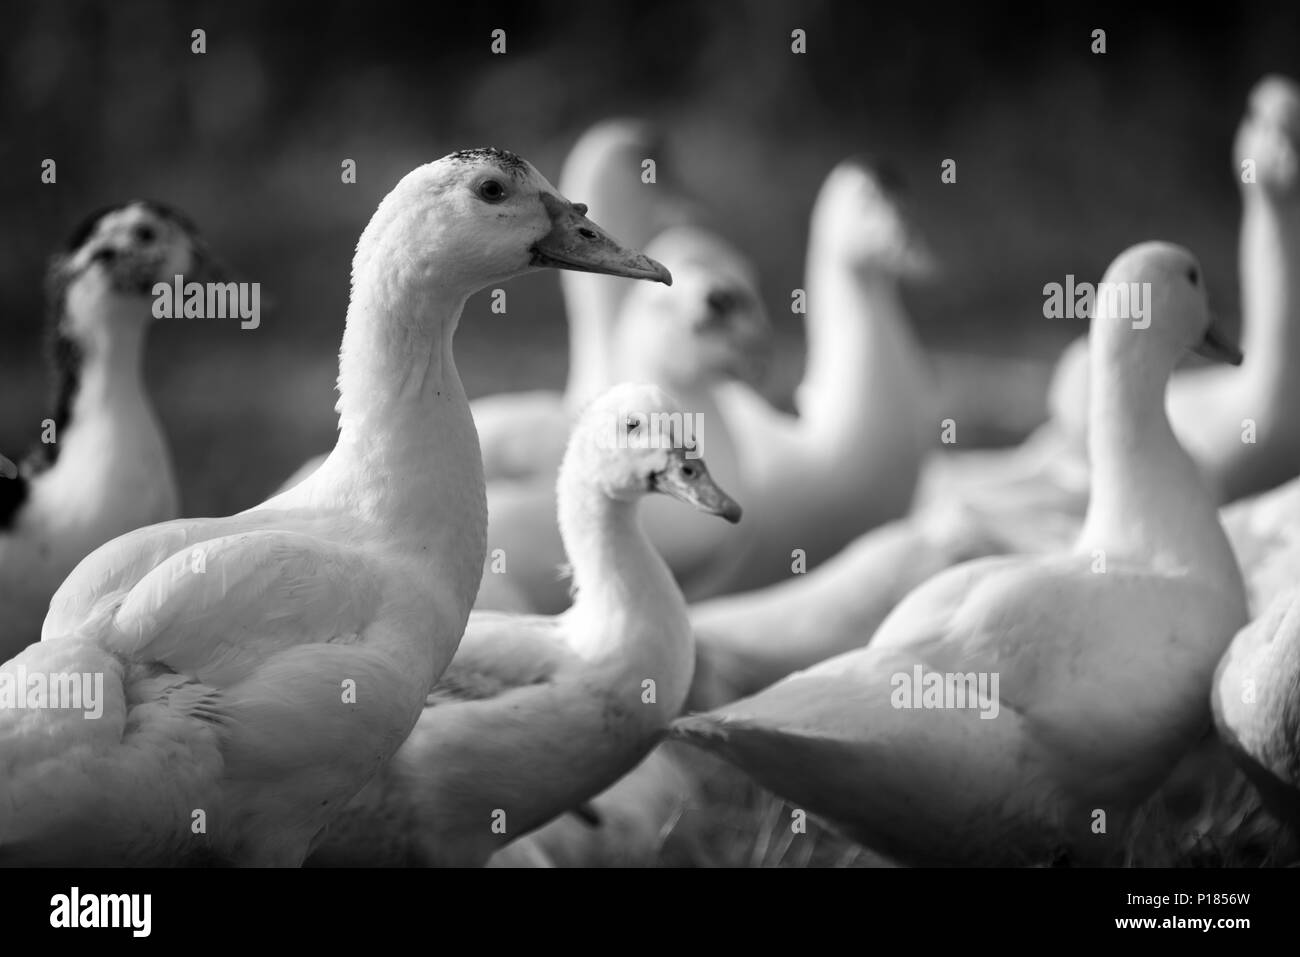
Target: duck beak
(689,481)
(1218,347)
(575,242)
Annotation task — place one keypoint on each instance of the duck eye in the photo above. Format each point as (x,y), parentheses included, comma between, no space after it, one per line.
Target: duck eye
(632,424)
(1193,276)
(492,191)
(144,234)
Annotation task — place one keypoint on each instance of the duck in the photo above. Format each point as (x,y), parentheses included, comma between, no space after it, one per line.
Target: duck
(524,434)
(1094,663)
(849,460)
(535,713)
(103,467)
(258,669)
(1255,692)
(1032,499)
(1215,408)
(709,327)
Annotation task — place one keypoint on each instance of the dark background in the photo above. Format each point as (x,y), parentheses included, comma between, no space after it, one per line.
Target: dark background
(1064,158)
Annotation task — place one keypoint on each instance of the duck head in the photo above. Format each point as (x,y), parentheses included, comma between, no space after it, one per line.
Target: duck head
(1157,290)
(860,218)
(633,440)
(1269,136)
(710,326)
(116,255)
(498,205)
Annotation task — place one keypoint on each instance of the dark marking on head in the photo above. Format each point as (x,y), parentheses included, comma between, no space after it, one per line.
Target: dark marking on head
(506,161)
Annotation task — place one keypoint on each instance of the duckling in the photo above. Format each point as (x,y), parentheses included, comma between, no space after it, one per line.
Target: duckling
(106,469)
(1239,424)
(1255,696)
(536,714)
(710,327)
(261,668)
(1094,664)
(849,460)
(523,434)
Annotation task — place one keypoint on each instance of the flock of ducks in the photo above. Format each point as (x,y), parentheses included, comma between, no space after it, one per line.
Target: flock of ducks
(463,636)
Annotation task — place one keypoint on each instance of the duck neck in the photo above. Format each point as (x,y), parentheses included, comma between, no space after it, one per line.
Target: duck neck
(624,589)
(407,457)
(592,304)
(1148,501)
(856,324)
(1269,262)
(108,374)
(101,408)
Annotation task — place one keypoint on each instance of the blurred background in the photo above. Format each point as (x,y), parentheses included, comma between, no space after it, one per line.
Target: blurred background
(1064,158)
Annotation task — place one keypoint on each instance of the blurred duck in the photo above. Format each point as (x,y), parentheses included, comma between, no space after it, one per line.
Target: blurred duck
(523,434)
(105,469)
(710,327)
(1032,499)
(1256,702)
(1210,408)
(263,667)
(535,714)
(849,460)
(1102,656)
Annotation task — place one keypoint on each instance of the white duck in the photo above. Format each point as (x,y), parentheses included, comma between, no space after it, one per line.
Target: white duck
(523,434)
(1103,675)
(107,469)
(536,714)
(849,460)
(1210,407)
(710,327)
(261,668)
(1032,498)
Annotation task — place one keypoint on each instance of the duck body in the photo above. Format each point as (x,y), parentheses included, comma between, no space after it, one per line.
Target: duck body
(185,687)
(261,668)
(1102,656)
